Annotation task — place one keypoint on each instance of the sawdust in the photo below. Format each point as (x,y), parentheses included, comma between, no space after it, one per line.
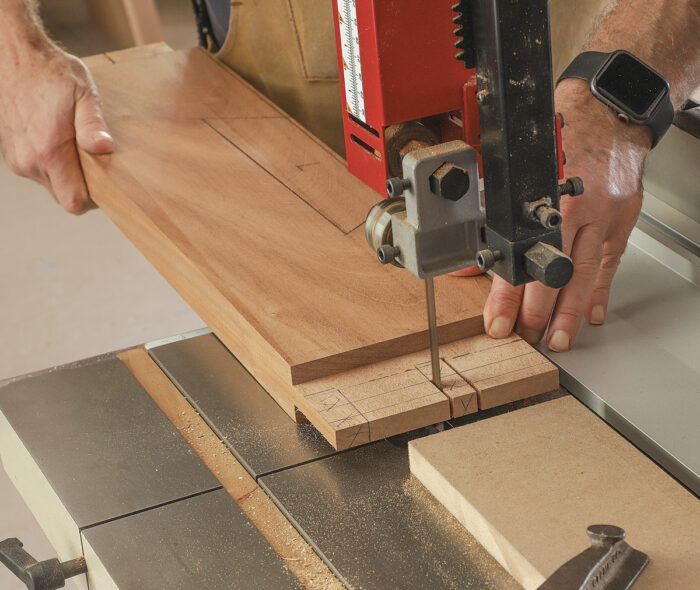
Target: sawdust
(297,555)
(490,572)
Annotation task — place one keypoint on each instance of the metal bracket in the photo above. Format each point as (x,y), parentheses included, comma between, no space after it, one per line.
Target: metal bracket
(440,230)
(38,575)
(608,564)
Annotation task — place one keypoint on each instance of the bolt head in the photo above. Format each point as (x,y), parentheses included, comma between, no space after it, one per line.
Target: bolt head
(576,185)
(386,254)
(450,182)
(394,187)
(485,259)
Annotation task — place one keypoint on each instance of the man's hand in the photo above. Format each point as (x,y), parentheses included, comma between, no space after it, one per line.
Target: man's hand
(49,106)
(609,156)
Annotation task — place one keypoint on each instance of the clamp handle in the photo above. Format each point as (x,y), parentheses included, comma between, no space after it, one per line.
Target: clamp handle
(38,575)
(608,564)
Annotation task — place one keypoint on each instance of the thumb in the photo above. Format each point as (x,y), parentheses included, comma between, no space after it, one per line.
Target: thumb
(91,131)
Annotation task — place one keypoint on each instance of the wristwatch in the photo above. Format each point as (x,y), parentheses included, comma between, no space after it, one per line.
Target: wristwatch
(632,89)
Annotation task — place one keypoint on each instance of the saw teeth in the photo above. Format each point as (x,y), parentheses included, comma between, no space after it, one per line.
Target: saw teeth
(464,33)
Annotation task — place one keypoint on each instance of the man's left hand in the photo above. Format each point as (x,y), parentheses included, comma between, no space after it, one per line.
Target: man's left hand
(609,156)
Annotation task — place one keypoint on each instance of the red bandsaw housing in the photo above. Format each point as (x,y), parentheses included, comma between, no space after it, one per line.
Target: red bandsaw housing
(408,73)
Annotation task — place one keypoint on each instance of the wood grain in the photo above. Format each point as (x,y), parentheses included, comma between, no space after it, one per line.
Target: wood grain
(373,402)
(380,400)
(501,371)
(556,467)
(266,228)
(258,226)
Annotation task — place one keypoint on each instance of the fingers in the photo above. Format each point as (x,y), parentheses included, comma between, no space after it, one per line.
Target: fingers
(574,298)
(501,308)
(538,300)
(66,178)
(535,311)
(598,304)
(91,130)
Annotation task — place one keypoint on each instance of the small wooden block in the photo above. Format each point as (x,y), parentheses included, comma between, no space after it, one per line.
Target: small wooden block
(462,396)
(376,401)
(501,371)
(391,397)
(542,475)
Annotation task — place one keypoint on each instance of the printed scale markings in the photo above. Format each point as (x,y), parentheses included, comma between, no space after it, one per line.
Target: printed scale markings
(352,66)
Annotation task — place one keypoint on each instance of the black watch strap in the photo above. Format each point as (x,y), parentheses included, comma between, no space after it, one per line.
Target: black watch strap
(585,66)
(588,64)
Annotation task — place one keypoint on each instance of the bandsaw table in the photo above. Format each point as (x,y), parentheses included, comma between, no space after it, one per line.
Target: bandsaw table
(109,477)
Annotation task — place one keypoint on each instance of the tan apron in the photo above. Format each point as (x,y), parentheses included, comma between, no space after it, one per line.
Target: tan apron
(286,49)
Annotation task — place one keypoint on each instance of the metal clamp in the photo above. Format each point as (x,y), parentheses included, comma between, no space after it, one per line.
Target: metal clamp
(608,564)
(38,575)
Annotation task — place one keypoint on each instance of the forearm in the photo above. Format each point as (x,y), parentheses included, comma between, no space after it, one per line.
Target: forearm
(20,29)
(662,34)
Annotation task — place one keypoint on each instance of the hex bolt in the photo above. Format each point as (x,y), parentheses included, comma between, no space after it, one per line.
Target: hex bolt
(548,265)
(572,186)
(395,187)
(450,182)
(549,217)
(486,259)
(386,254)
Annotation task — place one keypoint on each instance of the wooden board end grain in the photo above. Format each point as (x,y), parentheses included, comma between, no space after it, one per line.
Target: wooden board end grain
(501,371)
(542,475)
(394,396)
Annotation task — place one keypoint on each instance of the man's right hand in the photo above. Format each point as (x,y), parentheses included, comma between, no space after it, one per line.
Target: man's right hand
(49,106)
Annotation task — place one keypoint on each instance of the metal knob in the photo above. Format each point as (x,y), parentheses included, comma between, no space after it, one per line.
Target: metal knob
(395,187)
(605,534)
(38,575)
(486,259)
(387,254)
(572,186)
(548,265)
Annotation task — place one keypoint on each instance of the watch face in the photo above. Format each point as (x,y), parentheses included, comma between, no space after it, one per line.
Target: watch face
(631,85)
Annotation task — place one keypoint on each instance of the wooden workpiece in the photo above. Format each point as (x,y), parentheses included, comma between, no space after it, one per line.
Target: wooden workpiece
(528,483)
(259,227)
